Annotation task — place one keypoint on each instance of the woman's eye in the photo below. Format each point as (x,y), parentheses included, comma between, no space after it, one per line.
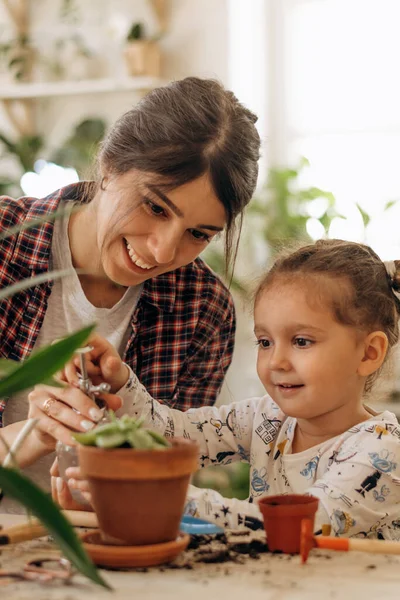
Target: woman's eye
(263,343)
(302,342)
(199,235)
(154,208)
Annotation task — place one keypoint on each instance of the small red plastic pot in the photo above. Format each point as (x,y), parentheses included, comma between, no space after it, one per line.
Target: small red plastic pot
(282,520)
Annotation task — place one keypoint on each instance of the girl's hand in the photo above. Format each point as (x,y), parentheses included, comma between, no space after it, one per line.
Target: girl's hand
(103,363)
(60,490)
(61,411)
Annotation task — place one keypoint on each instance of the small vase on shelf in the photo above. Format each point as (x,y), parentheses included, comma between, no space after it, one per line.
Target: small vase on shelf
(142,55)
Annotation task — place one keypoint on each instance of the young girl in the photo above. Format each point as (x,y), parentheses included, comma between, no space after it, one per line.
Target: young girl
(325,317)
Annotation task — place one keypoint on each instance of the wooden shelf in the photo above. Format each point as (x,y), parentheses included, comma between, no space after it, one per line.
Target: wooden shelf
(22,91)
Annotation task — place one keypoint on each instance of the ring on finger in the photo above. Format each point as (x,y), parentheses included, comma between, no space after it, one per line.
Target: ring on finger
(47,406)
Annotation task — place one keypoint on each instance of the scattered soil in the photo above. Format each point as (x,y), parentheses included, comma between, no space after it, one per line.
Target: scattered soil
(221,548)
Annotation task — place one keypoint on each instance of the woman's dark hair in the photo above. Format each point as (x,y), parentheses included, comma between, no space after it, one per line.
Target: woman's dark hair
(363,292)
(184,130)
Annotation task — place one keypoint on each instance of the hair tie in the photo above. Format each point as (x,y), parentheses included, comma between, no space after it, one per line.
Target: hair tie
(391,270)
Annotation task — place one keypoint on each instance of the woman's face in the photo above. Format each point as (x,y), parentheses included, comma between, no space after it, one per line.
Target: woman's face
(143,231)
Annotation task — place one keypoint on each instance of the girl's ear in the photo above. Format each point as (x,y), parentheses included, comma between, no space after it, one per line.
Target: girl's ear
(375,349)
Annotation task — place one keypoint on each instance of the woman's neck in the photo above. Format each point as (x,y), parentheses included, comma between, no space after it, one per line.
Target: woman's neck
(82,234)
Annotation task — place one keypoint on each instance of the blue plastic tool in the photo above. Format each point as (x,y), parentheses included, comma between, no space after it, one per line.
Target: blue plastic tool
(195,526)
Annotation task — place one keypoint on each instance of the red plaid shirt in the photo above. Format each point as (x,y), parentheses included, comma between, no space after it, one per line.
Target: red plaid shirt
(183,327)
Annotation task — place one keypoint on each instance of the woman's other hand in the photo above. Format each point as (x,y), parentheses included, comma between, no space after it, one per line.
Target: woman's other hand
(103,364)
(60,490)
(62,411)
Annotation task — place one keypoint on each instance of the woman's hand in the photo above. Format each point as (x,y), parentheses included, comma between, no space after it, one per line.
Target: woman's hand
(103,363)
(60,490)
(62,411)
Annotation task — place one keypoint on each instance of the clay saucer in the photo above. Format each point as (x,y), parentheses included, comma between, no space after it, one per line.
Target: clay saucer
(132,556)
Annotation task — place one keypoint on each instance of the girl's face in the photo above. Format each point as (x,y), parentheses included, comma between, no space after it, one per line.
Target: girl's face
(307,361)
(143,231)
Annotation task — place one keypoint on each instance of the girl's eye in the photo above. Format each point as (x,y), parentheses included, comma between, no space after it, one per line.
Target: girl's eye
(154,208)
(199,235)
(301,342)
(263,343)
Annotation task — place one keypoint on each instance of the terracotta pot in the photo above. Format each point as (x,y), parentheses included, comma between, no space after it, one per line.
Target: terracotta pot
(143,57)
(282,520)
(139,495)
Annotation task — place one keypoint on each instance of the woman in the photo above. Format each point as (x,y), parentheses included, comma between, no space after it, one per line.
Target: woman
(174,172)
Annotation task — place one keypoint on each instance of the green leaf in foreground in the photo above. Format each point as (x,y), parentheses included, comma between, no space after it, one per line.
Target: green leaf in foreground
(47,218)
(25,284)
(41,365)
(23,490)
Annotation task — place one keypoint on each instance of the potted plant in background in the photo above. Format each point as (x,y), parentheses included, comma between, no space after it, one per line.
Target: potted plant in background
(80,148)
(277,215)
(18,56)
(142,55)
(24,151)
(281,214)
(138,480)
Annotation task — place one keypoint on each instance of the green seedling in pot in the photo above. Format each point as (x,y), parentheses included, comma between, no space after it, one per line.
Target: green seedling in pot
(125,432)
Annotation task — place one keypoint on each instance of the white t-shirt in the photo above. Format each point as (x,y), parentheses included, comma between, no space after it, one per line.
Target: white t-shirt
(68,310)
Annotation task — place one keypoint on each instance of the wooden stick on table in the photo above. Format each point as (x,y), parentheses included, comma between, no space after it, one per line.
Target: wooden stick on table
(34,529)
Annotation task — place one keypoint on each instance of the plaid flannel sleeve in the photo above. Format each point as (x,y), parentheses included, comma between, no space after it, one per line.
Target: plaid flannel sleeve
(209,357)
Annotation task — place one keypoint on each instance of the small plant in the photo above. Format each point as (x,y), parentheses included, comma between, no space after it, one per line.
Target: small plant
(125,432)
(26,149)
(142,52)
(129,469)
(18,56)
(276,216)
(136,32)
(80,148)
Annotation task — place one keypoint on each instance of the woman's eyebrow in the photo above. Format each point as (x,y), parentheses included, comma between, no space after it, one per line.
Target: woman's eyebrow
(165,199)
(177,210)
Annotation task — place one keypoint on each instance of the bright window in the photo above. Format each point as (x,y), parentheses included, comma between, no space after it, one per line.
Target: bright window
(341,107)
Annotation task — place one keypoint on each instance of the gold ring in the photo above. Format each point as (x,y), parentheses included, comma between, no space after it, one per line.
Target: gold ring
(47,405)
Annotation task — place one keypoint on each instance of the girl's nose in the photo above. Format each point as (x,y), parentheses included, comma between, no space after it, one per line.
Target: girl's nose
(279,360)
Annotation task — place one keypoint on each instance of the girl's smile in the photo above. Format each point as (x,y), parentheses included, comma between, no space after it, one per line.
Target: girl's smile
(288,391)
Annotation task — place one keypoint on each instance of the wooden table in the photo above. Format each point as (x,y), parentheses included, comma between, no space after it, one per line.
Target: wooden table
(341,575)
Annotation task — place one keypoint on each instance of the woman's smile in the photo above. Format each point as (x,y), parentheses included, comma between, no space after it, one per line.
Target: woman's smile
(134,262)
(135,258)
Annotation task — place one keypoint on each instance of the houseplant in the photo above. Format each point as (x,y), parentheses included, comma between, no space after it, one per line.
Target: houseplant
(14,377)
(280,214)
(80,148)
(25,150)
(19,56)
(276,216)
(142,55)
(138,480)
